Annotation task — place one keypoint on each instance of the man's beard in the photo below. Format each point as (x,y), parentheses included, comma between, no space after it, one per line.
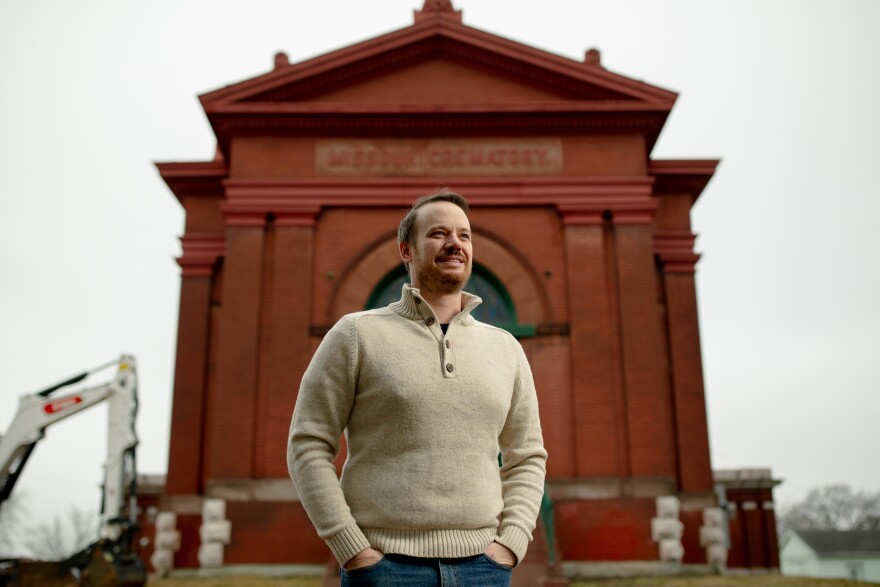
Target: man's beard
(435,281)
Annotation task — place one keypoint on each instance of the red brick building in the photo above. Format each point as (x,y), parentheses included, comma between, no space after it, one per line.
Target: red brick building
(584,250)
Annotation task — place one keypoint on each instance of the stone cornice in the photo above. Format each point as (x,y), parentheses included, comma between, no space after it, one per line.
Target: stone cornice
(201,178)
(519,108)
(429,123)
(685,176)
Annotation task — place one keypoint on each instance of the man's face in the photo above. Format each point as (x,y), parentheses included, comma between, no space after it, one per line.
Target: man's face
(441,253)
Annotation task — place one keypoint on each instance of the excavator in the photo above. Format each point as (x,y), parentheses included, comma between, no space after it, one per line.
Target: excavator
(111,561)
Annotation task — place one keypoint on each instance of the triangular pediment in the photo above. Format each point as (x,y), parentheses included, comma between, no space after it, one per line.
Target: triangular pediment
(437,75)
(435,81)
(438,55)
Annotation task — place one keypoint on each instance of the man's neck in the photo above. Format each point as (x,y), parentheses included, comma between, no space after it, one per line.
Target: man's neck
(445,306)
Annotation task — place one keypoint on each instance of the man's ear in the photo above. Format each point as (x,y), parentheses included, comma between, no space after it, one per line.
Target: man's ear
(405,252)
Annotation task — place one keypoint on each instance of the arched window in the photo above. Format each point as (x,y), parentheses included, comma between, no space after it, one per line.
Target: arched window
(497,307)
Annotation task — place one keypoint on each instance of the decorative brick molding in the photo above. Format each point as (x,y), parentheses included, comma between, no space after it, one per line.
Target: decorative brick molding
(617,202)
(675,249)
(257,211)
(201,250)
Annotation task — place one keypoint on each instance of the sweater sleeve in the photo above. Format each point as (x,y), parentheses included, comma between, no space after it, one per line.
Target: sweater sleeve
(523,463)
(325,399)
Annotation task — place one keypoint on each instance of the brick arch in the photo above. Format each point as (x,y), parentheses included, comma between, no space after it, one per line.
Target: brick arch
(506,263)
(492,252)
(353,289)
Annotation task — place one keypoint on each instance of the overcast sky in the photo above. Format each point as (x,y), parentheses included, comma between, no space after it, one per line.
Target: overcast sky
(786,93)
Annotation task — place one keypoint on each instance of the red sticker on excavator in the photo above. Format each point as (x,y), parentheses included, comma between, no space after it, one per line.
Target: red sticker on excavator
(62,404)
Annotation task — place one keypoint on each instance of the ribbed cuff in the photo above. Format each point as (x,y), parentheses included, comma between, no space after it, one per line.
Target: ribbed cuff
(347,543)
(516,540)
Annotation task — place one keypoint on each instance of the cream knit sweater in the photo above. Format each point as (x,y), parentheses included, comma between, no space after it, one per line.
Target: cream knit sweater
(425,416)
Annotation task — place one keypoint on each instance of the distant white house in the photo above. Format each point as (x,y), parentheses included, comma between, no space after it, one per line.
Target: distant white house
(833,555)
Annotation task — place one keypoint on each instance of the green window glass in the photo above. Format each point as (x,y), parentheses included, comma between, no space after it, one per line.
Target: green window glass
(497,307)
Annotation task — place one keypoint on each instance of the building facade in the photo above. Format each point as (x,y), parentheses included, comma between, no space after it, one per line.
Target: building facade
(583,250)
(829,554)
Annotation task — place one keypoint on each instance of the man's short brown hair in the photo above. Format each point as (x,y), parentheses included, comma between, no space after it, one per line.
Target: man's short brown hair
(405,229)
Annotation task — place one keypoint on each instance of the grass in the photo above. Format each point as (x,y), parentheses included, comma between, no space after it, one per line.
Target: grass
(749,581)
(745,581)
(238,581)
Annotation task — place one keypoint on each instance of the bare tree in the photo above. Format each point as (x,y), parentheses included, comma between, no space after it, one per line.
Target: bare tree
(64,536)
(833,507)
(10,523)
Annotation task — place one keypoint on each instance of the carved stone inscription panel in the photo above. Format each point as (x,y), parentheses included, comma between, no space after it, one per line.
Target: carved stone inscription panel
(462,157)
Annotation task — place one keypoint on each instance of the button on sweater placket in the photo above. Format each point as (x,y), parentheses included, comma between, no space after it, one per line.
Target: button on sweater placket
(448,359)
(427,319)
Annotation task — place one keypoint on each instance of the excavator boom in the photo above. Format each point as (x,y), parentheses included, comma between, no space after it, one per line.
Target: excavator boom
(111,561)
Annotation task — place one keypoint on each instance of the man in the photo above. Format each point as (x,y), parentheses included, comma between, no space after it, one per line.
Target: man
(428,397)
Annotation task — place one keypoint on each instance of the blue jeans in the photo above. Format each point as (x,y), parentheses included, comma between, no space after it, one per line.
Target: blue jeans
(396,570)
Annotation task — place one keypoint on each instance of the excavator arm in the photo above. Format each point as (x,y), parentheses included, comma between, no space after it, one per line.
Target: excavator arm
(110,561)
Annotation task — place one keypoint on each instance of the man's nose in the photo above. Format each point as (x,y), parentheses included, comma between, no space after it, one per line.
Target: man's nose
(453,242)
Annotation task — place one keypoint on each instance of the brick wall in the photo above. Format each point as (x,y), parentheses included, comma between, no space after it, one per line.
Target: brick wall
(606,530)
(272,533)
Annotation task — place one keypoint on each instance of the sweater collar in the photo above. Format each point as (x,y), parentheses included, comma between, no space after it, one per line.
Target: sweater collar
(413,306)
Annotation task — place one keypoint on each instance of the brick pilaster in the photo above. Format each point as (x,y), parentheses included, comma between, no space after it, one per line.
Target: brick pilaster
(651,437)
(286,345)
(200,254)
(595,375)
(231,417)
(692,435)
